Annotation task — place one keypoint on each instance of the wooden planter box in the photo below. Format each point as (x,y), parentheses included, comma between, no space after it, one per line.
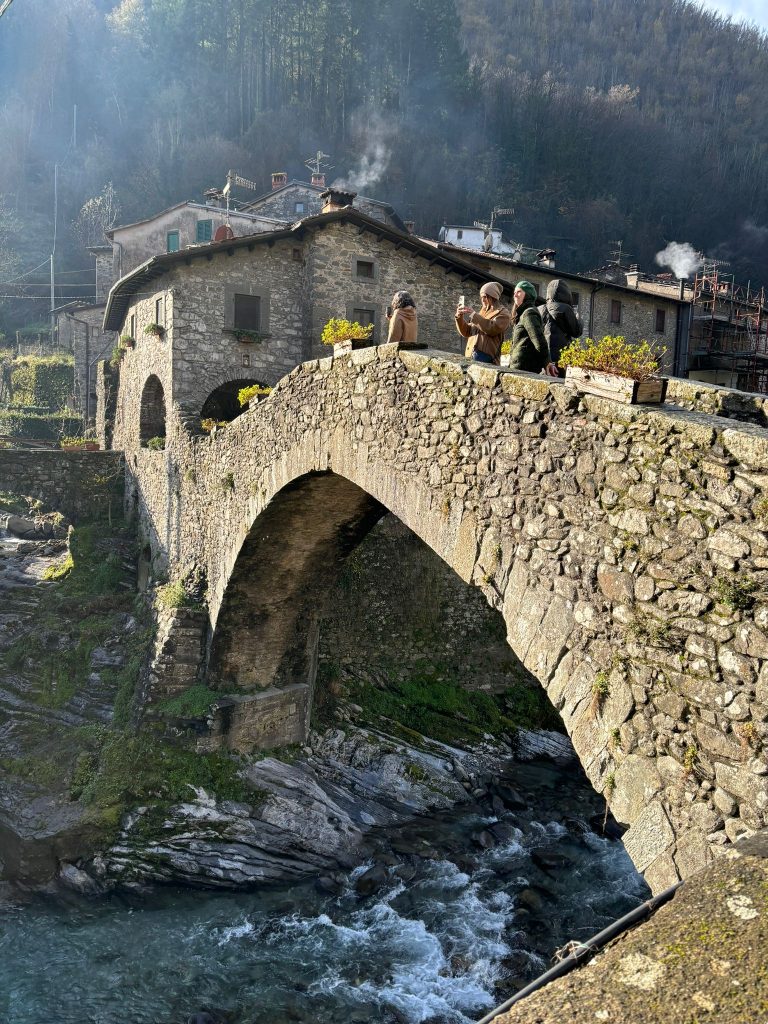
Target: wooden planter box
(621,389)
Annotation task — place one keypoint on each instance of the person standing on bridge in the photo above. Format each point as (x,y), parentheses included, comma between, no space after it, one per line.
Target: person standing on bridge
(403,322)
(484,331)
(529,349)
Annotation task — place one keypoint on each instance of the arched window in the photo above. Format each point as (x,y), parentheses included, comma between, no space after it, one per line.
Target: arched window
(152,419)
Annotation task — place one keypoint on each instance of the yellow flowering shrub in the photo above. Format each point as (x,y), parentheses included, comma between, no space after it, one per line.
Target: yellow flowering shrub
(614,354)
(339,330)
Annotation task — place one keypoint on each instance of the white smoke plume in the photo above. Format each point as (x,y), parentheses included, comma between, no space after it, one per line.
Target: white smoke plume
(376,137)
(681,258)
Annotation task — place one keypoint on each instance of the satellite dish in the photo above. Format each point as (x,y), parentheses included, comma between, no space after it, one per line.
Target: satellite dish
(223,233)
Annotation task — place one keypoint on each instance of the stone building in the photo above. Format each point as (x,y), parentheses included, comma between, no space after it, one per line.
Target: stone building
(249,309)
(293,200)
(79,330)
(603,307)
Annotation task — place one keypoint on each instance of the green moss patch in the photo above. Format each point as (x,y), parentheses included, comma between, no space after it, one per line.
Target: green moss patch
(193,703)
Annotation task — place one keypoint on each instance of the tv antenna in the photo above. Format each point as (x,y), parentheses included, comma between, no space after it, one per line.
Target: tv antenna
(317,163)
(617,255)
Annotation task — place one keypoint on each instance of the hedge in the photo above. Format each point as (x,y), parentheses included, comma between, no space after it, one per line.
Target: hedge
(42,381)
(38,426)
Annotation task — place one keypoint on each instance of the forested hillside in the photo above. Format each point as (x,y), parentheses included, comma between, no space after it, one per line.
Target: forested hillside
(596,120)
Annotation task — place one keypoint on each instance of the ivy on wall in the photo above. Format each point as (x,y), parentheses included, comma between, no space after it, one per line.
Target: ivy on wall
(41,381)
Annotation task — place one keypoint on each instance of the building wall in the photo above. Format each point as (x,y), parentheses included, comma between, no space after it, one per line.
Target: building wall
(337,291)
(80,485)
(137,243)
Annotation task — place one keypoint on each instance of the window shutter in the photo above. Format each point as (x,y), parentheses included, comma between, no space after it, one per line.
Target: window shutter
(204,230)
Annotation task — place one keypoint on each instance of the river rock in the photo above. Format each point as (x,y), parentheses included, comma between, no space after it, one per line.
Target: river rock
(371,880)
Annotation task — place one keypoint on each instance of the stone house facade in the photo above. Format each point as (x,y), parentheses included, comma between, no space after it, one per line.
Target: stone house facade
(603,307)
(279,288)
(293,200)
(79,329)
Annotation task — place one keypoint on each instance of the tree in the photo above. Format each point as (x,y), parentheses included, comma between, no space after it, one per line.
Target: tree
(97,215)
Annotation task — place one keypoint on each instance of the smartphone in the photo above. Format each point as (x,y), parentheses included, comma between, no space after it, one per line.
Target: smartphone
(389,311)
(462,301)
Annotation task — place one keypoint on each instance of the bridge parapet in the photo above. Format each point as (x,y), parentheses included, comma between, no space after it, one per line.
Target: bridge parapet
(626,547)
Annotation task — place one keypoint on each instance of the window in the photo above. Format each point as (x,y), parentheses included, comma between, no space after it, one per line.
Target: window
(575,296)
(297,255)
(247,312)
(172,241)
(299,207)
(365,268)
(661,321)
(204,230)
(364,317)
(160,311)
(132,325)
(246,359)
(459,234)
(615,311)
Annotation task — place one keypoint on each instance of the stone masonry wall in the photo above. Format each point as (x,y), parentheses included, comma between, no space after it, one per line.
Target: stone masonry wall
(626,547)
(80,485)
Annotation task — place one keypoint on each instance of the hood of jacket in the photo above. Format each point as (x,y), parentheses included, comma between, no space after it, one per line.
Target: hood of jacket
(406,312)
(558,291)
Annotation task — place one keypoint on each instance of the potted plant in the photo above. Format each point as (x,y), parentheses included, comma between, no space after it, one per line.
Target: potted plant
(346,335)
(117,356)
(126,341)
(615,368)
(246,337)
(155,329)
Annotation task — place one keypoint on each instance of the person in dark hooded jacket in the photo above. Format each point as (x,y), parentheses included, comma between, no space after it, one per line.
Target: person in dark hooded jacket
(561,325)
(528,348)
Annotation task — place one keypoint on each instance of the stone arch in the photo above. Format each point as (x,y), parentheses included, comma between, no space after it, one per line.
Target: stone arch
(152,415)
(222,403)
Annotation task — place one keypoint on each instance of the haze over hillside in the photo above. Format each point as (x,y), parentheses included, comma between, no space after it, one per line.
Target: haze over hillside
(596,120)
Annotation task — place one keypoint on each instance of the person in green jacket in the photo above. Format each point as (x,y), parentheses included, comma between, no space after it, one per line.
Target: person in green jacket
(529,349)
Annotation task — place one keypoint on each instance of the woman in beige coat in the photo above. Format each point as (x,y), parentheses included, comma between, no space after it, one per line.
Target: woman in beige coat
(403,323)
(484,331)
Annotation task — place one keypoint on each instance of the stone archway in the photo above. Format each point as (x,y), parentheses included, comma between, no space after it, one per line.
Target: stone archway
(152,415)
(222,403)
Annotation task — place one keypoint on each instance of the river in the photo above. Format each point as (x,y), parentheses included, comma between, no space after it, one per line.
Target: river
(451,931)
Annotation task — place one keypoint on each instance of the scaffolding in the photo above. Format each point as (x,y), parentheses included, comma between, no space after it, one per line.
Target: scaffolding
(729,330)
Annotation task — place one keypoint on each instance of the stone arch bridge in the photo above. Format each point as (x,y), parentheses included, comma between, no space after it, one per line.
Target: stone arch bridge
(626,548)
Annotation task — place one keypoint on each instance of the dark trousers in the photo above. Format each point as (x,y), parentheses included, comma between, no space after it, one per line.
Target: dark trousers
(482,357)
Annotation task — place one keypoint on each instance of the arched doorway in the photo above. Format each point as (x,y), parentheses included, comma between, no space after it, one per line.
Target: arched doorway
(153,414)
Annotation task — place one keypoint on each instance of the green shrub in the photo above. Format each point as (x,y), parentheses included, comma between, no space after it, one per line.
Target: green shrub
(44,381)
(38,426)
(156,444)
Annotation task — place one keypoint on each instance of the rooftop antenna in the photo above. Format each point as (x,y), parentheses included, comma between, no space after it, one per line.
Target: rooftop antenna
(317,163)
(617,255)
(233,178)
(497,211)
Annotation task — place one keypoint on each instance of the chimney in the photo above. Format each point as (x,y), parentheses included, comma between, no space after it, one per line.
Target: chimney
(212,196)
(318,178)
(279,178)
(410,226)
(336,199)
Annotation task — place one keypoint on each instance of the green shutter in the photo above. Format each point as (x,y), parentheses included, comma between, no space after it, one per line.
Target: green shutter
(172,241)
(204,230)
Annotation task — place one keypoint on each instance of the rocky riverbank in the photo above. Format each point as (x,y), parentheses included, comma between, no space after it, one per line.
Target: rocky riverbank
(321,812)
